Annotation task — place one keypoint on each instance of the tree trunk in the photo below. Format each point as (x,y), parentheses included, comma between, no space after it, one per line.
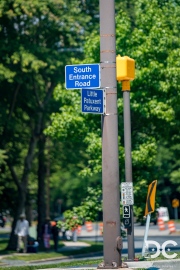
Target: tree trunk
(41,187)
(23,184)
(37,134)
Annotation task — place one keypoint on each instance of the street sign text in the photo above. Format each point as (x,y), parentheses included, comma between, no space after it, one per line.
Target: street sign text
(82,76)
(93,101)
(127,196)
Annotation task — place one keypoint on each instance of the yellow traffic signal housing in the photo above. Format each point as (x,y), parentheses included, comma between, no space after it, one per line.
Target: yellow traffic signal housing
(125,68)
(175,203)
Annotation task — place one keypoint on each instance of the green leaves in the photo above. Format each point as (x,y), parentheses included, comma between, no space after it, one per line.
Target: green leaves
(3,157)
(38,39)
(6,74)
(28,62)
(86,211)
(145,33)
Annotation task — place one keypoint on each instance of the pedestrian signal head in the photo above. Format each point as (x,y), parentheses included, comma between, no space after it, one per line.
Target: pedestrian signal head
(125,68)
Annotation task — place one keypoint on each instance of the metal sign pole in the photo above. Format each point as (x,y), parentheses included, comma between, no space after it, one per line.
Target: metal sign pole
(125,68)
(146,234)
(176,213)
(128,167)
(150,207)
(110,156)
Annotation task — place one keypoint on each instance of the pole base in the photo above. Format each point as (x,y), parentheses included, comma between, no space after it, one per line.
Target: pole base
(114,265)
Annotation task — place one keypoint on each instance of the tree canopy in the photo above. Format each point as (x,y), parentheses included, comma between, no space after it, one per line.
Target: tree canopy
(47,145)
(145,33)
(37,39)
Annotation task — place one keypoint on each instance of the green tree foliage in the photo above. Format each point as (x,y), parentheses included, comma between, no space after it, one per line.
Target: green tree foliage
(37,39)
(148,32)
(3,156)
(86,211)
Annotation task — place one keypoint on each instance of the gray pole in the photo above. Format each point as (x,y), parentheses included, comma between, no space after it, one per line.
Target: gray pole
(128,166)
(144,248)
(176,213)
(110,157)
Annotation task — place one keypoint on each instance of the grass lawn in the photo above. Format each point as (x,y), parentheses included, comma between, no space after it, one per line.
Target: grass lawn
(87,263)
(42,254)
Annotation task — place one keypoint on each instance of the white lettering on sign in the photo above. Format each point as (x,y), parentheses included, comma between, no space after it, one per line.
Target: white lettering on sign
(73,77)
(92,101)
(91,93)
(127,196)
(90,108)
(82,84)
(83,69)
(82,76)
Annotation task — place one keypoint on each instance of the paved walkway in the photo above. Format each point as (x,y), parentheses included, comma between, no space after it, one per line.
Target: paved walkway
(69,245)
(149,265)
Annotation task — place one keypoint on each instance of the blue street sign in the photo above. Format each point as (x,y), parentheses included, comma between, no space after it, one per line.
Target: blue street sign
(82,76)
(93,101)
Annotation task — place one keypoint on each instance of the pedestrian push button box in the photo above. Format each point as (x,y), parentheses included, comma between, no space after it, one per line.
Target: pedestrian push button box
(125,68)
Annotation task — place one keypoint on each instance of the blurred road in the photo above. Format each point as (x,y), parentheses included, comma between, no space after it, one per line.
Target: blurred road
(154,234)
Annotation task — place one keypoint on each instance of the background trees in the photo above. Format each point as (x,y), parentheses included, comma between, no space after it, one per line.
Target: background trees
(37,39)
(145,34)
(51,147)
